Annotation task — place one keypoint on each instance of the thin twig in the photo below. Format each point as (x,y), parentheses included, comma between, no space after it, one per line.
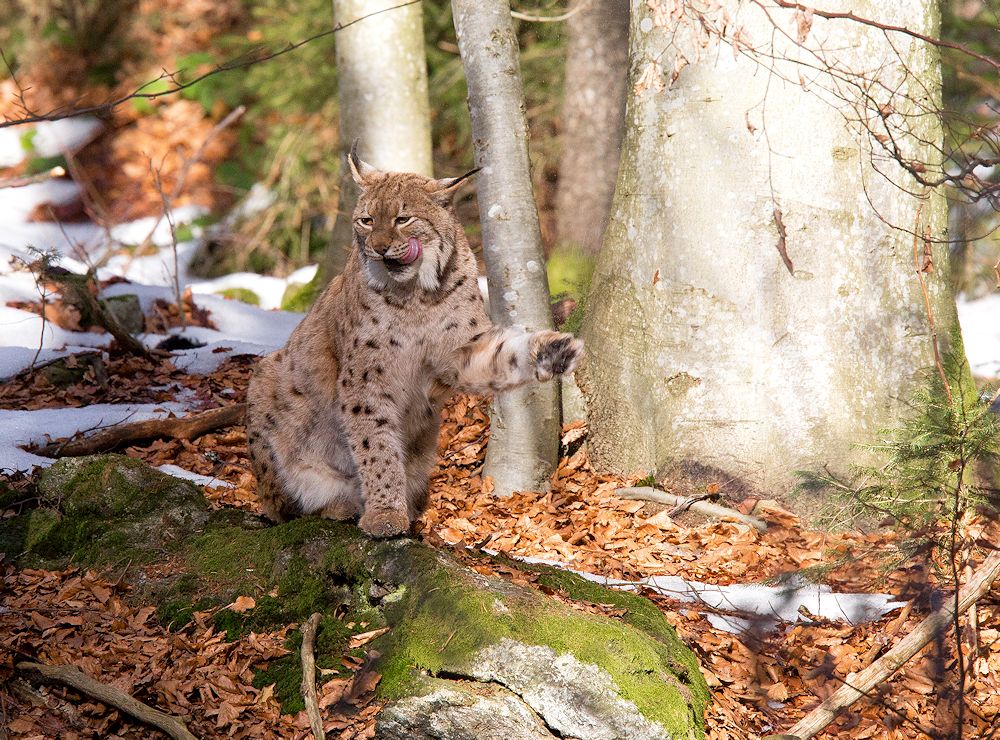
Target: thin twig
(308,686)
(646,493)
(860,684)
(168,214)
(537,18)
(246,60)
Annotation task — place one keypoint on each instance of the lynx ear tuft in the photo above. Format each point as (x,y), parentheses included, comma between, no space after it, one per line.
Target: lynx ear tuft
(361,172)
(443,190)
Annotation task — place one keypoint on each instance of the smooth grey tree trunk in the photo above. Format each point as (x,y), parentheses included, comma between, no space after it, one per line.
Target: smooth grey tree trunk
(702,346)
(382,86)
(593,120)
(524,433)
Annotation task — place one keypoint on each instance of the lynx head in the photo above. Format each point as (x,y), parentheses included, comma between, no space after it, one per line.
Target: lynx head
(404,229)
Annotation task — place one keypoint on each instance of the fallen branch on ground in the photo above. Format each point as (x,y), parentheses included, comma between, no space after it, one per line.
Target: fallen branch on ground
(185,427)
(308,687)
(646,493)
(72,676)
(861,684)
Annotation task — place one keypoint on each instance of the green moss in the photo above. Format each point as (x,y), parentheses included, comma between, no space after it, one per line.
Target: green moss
(241,294)
(111,509)
(442,623)
(301,296)
(41,522)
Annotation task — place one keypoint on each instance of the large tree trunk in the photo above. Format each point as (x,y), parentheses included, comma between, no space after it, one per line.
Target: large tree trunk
(465,656)
(382,85)
(593,120)
(704,342)
(524,434)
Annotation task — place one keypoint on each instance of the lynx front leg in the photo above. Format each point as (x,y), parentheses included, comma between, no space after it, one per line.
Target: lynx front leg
(501,359)
(376,445)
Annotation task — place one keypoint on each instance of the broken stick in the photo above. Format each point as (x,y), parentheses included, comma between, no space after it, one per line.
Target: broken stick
(646,493)
(73,676)
(860,684)
(308,687)
(184,427)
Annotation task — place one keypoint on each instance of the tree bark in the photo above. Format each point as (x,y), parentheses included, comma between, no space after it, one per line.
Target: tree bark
(755,306)
(593,120)
(382,86)
(524,434)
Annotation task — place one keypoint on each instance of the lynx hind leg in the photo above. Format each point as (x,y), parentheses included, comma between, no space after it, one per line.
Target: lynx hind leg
(274,504)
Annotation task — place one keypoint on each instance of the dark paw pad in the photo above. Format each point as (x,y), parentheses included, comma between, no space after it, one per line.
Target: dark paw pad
(557,356)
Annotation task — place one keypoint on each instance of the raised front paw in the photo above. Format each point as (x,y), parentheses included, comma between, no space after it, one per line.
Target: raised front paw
(384,522)
(555,353)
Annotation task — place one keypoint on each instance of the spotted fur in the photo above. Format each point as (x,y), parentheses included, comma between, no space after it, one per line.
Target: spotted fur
(342,422)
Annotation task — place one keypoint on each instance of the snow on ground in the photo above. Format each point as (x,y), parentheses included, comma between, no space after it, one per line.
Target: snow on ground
(762,606)
(22,427)
(201,480)
(46,139)
(980,321)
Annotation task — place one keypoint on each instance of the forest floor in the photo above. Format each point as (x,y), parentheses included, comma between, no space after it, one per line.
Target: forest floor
(763,676)
(761,680)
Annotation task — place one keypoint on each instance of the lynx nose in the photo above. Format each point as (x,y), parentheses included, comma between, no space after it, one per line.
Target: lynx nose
(379,244)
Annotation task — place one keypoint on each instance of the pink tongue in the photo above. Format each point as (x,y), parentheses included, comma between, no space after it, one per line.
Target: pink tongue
(413,250)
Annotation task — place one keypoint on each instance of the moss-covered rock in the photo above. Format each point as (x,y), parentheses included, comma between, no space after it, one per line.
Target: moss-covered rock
(109,509)
(583,674)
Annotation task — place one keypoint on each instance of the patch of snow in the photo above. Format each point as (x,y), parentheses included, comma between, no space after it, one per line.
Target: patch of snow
(203,360)
(269,290)
(24,329)
(50,138)
(201,480)
(980,321)
(19,428)
(303,275)
(731,624)
(66,136)
(761,606)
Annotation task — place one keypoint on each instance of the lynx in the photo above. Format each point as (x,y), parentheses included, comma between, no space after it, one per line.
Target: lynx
(342,422)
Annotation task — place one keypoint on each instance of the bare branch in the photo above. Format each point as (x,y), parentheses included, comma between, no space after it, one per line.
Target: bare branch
(252,57)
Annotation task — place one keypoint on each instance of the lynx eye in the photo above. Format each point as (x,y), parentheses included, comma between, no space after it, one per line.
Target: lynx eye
(366,220)
(401,220)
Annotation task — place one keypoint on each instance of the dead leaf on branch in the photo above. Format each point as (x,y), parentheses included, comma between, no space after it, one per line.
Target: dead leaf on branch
(803,24)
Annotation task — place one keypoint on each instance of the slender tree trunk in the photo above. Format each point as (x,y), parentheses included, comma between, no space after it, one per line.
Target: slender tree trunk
(524,436)
(704,342)
(593,120)
(382,84)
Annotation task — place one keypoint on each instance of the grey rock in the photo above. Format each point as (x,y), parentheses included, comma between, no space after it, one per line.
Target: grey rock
(577,699)
(127,311)
(461,710)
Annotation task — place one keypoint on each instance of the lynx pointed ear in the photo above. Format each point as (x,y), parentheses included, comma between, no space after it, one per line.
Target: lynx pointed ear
(361,171)
(442,191)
